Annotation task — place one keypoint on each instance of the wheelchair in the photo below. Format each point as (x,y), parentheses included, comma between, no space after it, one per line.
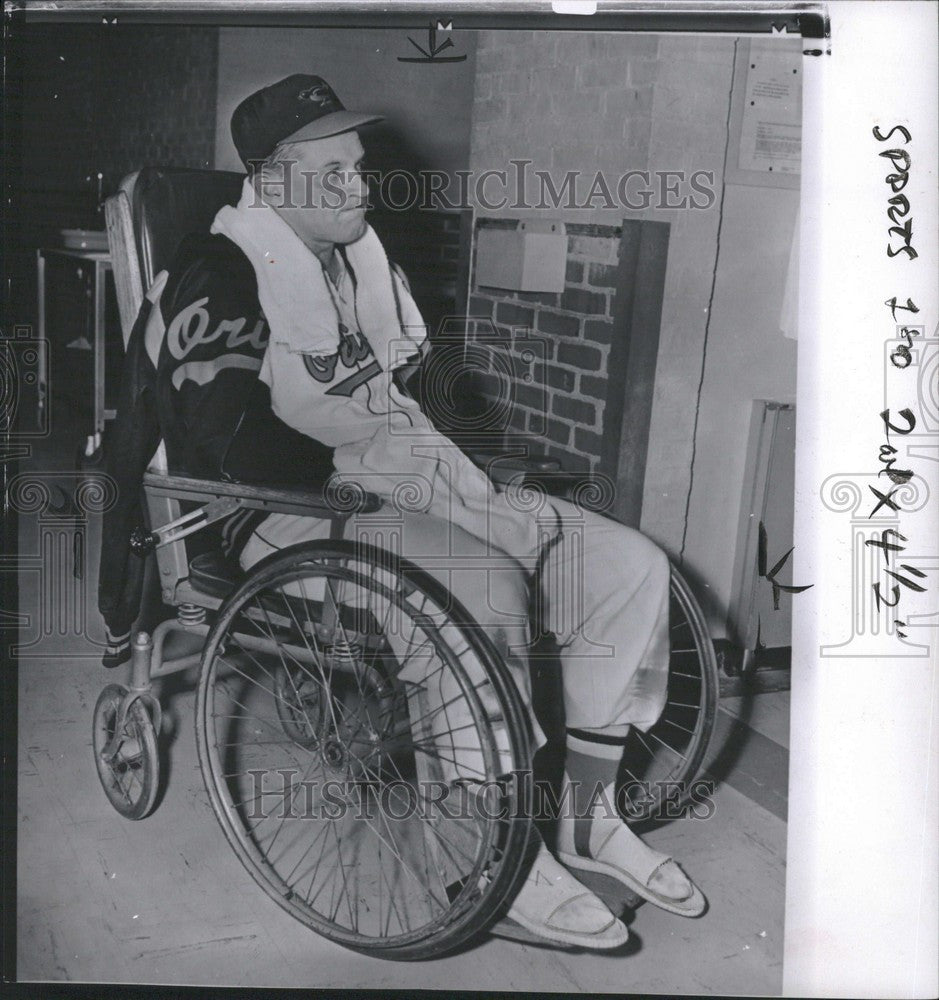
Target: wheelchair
(364,747)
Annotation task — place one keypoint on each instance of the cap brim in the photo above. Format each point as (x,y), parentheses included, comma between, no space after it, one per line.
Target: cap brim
(331,124)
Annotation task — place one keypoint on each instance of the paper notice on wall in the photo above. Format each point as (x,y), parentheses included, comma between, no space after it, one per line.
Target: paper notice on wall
(771,131)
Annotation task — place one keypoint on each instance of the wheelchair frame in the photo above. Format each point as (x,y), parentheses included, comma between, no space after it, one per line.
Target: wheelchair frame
(136,709)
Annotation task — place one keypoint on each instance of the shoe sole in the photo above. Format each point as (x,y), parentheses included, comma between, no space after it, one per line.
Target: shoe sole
(692,907)
(571,938)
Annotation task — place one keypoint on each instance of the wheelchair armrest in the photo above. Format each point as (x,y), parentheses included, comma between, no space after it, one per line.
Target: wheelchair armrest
(316,502)
(539,471)
(554,482)
(503,465)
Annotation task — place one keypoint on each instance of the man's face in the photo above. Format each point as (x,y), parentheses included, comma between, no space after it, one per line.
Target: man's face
(327,192)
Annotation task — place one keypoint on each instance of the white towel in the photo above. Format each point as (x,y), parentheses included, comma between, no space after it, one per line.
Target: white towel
(292,286)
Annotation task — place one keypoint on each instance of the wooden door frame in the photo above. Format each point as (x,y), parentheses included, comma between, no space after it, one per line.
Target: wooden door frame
(634,351)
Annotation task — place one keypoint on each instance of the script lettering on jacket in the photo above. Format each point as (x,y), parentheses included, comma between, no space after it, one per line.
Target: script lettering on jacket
(190,328)
(352,350)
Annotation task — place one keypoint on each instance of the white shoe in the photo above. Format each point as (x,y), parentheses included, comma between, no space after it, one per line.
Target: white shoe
(553,905)
(615,851)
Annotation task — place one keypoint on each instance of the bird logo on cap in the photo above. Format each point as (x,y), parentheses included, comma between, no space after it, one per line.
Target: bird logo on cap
(319,94)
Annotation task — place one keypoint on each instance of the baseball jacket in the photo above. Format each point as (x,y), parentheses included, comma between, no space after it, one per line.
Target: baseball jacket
(190,377)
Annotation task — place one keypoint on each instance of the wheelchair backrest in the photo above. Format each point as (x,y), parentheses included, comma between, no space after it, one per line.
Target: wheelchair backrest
(154,209)
(170,203)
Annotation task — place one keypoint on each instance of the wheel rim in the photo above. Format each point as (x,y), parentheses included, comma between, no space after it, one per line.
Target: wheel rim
(660,766)
(347,850)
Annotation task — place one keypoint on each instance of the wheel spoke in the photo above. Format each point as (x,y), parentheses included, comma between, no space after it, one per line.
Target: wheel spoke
(671,749)
(684,729)
(649,749)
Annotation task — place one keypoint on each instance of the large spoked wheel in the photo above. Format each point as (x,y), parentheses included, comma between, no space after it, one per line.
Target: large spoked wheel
(365,750)
(125,755)
(660,766)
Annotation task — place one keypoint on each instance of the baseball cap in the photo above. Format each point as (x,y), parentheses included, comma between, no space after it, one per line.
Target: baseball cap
(297,108)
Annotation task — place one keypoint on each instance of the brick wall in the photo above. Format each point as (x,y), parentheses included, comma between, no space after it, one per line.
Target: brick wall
(557,400)
(612,103)
(567,101)
(165,115)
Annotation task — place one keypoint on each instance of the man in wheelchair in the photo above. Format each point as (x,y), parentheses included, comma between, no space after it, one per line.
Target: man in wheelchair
(278,341)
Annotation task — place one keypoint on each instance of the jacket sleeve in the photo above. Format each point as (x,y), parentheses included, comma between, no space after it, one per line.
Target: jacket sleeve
(132,439)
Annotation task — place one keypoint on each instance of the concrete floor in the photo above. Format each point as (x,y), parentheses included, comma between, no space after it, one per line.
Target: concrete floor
(164,900)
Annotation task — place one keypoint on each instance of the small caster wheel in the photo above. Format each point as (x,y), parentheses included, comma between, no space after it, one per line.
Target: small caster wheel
(130,773)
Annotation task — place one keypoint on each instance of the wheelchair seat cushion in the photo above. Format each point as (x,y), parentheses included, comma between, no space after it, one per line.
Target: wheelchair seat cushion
(214,573)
